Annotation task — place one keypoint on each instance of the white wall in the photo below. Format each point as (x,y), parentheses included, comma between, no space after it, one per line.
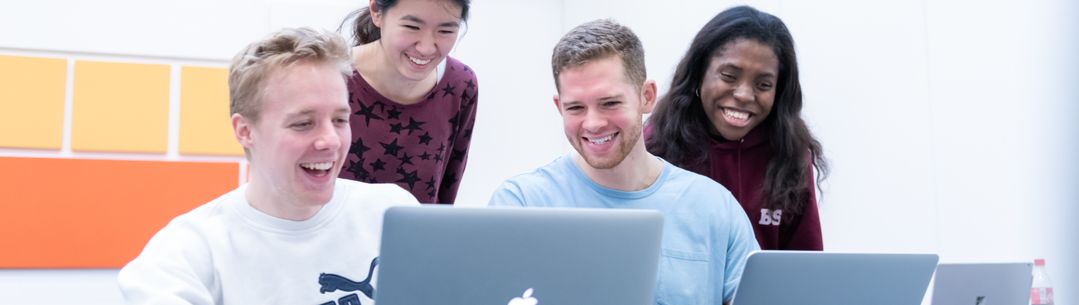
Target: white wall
(865,80)
(951,126)
(508,44)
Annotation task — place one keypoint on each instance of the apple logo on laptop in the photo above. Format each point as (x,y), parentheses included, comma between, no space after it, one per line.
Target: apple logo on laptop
(525,299)
(979,300)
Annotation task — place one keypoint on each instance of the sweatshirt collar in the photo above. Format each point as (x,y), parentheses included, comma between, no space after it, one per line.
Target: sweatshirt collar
(755,137)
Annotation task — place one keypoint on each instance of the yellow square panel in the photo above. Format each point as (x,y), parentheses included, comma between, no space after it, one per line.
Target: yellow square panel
(120,107)
(205,124)
(32,102)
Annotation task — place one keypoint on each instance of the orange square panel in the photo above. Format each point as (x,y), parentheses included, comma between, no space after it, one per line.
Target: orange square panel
(205,124)
(32,102)
(120,107)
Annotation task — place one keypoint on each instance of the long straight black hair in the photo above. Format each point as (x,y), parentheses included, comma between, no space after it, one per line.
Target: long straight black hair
(681,132)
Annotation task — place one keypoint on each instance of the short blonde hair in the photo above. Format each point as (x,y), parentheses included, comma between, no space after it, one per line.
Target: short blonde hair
(251,67)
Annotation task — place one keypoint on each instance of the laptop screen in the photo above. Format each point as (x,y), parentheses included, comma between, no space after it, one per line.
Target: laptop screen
(457,256)
(823,278)
(982,284)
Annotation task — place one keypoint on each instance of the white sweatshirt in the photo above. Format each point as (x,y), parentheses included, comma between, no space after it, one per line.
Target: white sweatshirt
(227,252)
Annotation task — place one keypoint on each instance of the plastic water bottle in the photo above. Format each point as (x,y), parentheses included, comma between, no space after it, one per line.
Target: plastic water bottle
(1041,288)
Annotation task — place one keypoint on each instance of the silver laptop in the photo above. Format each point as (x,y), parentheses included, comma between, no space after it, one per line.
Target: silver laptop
(823,278)
(518,256)
(982,284)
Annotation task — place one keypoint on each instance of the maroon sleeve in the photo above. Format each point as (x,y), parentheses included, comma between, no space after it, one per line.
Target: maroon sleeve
(806,234)
(455,168)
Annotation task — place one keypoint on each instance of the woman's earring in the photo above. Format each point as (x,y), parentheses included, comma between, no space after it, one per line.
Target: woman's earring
(697,92)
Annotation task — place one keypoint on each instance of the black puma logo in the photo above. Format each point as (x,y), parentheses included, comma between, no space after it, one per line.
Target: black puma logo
(332,282)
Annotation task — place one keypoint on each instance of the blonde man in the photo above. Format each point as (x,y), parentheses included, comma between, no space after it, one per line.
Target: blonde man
(294,234)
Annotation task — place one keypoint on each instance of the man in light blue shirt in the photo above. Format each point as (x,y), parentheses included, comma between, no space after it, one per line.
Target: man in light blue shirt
(602,96)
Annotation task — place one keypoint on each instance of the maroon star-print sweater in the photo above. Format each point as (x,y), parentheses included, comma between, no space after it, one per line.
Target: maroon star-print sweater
(422,147)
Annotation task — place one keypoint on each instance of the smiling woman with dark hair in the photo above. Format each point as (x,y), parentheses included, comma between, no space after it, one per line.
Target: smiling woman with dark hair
(734,114)
(413,106)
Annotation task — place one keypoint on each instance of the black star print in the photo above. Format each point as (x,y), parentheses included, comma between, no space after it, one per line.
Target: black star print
(378,165)
(450,179)
(470,84)
(465,98)
(430,183)
(425,156)
(431,95)
(406,159)
(441,148)
(438,158)
(467,69)
(468,133)
(368,113)
(393,113)
(448,90)
(396,128)
(411,178)
(358,148)
(391,148)
(425,138)
(455,122)
(457,155)
(413,125)
(357,170)
(431,194)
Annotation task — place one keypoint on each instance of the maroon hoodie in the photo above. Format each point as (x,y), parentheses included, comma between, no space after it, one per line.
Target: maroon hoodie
(740,166)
